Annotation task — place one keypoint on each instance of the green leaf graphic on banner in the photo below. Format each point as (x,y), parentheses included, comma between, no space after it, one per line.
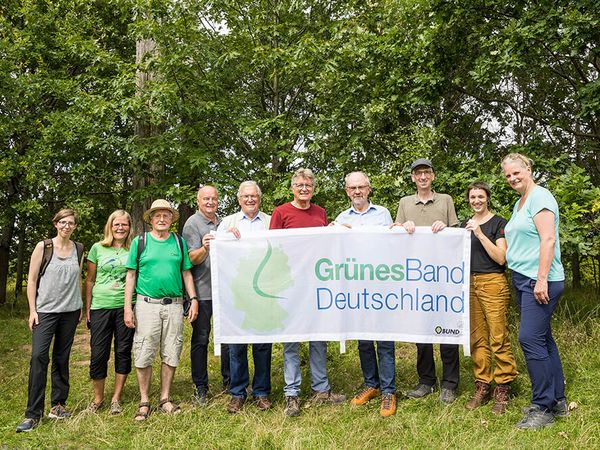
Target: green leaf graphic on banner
(256,291)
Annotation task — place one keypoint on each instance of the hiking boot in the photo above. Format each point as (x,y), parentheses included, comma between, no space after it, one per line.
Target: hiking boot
(483,394)
(501,397)
(329,397)
(422,390)
(536,419)
(561,409)
(263,403)
(235,404)
(292,406)
(27,425)
(59,412)
(447,396)
(364,396)
(388,405)
(200,397)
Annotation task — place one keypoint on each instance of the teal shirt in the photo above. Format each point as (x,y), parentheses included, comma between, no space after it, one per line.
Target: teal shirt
(159,274)
(109,288)
(523,253)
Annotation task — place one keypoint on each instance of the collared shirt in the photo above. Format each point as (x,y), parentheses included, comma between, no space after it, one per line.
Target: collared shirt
(194,229)
(243,223)
(373,215)
(423,214)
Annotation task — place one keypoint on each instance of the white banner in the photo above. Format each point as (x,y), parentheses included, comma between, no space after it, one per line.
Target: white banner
(335,284)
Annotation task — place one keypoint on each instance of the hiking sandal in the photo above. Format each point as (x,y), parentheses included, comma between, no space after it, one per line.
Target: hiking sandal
(175,409)
(141,416)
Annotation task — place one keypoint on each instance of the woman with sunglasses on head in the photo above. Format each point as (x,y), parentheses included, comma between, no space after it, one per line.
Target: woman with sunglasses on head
(490,296)
(105,297)
(538,277)
(54,297)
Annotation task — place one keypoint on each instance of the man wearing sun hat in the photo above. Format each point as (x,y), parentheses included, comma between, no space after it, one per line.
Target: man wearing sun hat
(156,275)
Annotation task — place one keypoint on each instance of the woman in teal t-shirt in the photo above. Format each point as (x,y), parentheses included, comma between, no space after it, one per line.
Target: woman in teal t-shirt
(533,255)
(105,292)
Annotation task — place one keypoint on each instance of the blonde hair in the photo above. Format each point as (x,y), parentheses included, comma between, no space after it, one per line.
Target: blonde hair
(108,234)
(523,160)
(304,173)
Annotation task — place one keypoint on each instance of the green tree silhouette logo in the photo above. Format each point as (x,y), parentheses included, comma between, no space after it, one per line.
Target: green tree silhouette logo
(257,292)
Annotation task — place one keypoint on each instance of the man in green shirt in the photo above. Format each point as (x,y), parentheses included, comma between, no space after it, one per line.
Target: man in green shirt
(431,209)
(158,318)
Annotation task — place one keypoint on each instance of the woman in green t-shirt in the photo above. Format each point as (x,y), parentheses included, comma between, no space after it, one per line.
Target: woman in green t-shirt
(105,292)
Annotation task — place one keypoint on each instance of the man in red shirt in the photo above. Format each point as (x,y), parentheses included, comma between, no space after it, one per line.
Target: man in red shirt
(301,213)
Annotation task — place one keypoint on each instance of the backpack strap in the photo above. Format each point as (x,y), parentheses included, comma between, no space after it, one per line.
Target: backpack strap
(79,247)
(140,249)
(180,245)
(46,258)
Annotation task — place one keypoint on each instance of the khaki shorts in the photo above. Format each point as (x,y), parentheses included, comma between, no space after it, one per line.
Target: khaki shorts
(157,326)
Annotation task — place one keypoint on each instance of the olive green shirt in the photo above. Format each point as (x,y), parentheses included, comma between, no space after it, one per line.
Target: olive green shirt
(441,207)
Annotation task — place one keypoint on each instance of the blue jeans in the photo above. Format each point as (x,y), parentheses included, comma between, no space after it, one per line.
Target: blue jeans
(384,376)
(535,335)
(238,364)
(318,368)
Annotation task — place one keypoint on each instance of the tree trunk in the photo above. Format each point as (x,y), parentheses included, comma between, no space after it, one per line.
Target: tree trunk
(20,260)
(576,270)
(143,130)
(5,241)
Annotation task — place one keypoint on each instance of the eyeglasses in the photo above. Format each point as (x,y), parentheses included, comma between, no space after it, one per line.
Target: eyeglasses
(426,172)
(248,197)
(303,186)
(121,225)
(354,188)
(66,223)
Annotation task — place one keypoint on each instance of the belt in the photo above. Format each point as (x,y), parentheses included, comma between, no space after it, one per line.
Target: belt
(162,301)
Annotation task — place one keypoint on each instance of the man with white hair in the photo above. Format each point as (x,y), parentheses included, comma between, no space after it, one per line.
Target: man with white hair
(379,369)
(249,218)
(301,213)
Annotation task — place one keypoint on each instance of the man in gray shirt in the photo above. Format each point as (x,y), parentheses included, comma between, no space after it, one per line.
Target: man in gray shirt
(196,233)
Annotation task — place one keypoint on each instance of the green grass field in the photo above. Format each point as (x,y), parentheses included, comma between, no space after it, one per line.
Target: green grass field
(417,424)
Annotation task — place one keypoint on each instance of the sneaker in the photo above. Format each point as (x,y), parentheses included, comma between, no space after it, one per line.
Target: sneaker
(536,419)
(115,408)
(329,397)
(483,394)
(447,396)
(27,425)
(561,409)
(292,406)
(235,404)
(200,397)
(422,390)
(59,412)
(263,403)
(501,397)
(368,393)
(388,405)
(94,407)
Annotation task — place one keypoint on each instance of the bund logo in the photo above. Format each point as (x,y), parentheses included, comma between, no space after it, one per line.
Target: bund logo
(450,331)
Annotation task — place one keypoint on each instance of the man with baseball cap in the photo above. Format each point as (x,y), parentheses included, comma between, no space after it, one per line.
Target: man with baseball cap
(157,274)
(435,210)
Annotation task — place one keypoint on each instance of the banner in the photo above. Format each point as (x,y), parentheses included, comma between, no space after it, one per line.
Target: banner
(336,284)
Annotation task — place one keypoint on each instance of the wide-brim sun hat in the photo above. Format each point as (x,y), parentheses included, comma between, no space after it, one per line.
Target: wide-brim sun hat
(160,204)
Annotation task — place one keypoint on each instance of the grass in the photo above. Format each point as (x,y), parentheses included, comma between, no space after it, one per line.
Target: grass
(418,424)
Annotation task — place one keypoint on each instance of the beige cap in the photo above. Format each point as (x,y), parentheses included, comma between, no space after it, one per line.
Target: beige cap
(160,204)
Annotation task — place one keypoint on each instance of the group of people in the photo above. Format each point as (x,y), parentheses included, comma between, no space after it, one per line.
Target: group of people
(134,296)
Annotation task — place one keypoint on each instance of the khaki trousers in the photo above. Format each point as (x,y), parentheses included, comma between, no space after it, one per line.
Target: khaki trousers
(490,296)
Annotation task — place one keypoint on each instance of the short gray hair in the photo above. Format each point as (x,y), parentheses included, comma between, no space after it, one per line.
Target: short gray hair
(357,173)
(303,173)
(246,184)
